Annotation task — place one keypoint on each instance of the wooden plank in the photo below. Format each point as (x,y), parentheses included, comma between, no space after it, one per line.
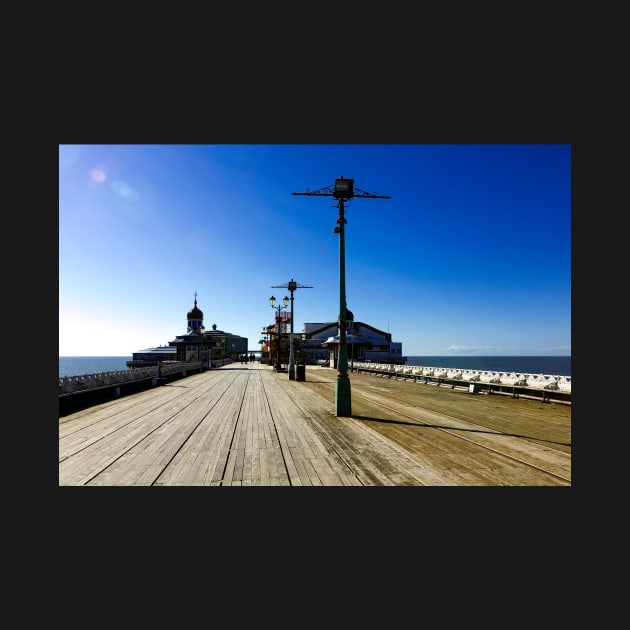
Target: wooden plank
(251,427)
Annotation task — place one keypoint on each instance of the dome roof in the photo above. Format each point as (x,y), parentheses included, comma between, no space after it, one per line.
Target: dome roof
(194,312)
(349,315)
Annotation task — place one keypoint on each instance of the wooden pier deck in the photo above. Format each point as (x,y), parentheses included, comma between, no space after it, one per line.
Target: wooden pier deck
(246,425)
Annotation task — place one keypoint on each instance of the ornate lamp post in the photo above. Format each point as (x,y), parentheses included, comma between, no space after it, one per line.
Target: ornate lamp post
(292,285)
(272,301)
(343,191)
(343,402)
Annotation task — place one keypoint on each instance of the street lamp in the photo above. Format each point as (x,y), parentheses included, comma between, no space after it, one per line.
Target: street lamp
(292,285)
(272,301)
(343,190)
(343,403)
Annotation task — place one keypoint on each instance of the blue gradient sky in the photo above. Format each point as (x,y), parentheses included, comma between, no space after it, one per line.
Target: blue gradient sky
(470,256)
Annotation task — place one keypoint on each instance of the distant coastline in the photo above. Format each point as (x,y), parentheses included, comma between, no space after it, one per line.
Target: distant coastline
(554,366)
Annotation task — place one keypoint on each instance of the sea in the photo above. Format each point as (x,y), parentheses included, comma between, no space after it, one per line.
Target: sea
(76,366)
(552,366)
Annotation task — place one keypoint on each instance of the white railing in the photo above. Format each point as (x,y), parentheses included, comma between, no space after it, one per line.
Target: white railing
(536,381)
(82,382)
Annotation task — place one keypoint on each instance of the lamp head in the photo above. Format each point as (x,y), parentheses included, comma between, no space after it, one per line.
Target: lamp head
(272,301)
(344,188)
(285,300)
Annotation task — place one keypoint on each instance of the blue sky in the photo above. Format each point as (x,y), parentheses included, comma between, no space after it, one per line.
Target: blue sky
(471,255)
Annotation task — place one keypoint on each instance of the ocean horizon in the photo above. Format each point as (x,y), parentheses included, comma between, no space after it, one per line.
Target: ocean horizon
(548,365)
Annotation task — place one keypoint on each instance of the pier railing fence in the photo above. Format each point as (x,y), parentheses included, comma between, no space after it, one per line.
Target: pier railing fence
(544,386)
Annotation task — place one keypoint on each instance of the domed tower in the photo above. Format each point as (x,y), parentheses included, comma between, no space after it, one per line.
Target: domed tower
(194,318)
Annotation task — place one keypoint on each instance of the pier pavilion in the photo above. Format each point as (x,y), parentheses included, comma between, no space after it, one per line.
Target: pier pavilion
(197,344)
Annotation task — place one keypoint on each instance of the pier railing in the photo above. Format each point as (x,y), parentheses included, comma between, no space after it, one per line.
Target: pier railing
(545,386)
(85,390)
(84,382)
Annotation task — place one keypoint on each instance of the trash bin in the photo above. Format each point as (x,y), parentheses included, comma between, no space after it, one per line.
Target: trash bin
(300,372)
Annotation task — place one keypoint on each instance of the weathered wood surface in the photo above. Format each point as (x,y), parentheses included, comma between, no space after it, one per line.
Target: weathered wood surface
(246,425)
